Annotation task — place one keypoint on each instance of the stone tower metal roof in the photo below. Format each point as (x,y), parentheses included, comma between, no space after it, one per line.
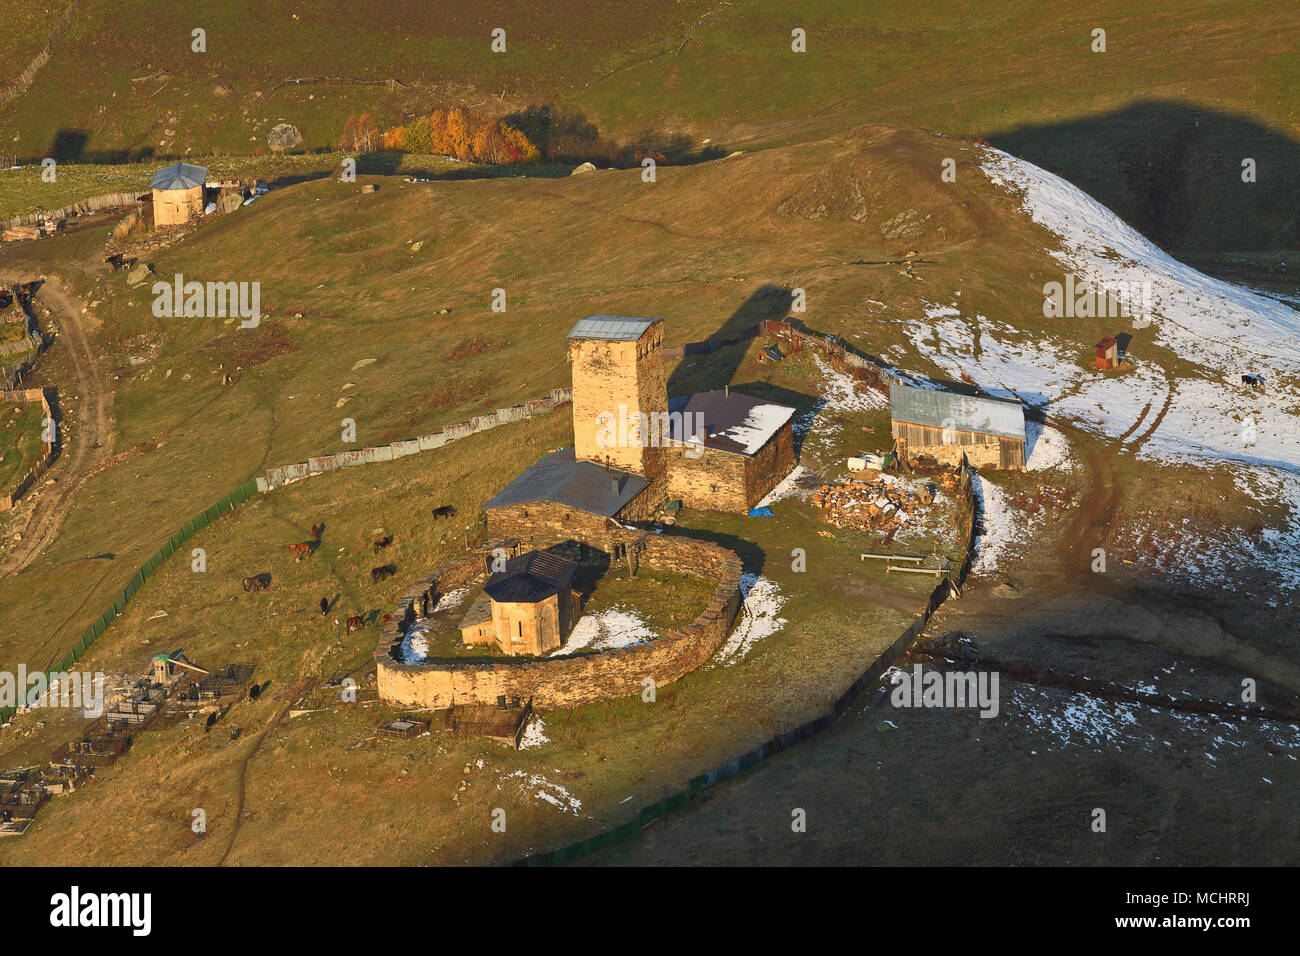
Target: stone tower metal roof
(611,328)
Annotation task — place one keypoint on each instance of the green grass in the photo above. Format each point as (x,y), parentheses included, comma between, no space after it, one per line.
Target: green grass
(1181,94)
(20,441)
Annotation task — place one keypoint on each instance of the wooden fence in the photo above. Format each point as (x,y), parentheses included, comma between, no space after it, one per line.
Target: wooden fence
(19,86)
(49,450)
(81,207)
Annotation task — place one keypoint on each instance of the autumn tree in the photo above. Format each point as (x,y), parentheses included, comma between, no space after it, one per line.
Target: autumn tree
(458,141)
(438,132)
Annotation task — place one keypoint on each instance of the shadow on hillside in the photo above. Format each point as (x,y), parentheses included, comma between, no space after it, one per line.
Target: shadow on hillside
(768,302)
(1174,173)
(71,146)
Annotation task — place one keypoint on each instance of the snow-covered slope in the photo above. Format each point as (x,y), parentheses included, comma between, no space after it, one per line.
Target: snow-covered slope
(1197,336)
(1224,329)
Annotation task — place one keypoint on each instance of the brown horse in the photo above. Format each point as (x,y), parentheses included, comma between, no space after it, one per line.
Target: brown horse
(302,550)
(355,623)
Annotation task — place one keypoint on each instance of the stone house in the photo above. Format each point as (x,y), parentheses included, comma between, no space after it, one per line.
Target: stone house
(744,450)
(178,194)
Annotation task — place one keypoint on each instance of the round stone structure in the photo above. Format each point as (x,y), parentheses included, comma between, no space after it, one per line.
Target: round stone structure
(565,680)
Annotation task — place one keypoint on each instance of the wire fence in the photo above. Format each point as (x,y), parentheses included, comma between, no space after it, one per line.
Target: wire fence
(101,624)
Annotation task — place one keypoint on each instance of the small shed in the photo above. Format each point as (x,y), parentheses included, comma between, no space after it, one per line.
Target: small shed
(1107,353)
(178,194)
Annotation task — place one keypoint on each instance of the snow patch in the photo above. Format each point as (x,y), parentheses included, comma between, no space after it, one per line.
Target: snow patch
(605,630)
(759,617)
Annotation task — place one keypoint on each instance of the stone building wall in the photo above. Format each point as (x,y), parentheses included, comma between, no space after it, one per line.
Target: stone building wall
(543,519)
(607,375)
(769,465)
(573,679)
(724,481)
(172,207)
(716,479)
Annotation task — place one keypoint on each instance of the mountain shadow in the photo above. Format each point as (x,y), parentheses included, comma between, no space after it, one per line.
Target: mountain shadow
(1174,172)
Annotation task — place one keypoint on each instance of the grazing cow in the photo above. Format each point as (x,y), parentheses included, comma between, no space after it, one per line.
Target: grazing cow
(355,623)
(384,571)
(382,543)
(1253,381)
(258,582)
(302,550)
(324,606)
(445,511)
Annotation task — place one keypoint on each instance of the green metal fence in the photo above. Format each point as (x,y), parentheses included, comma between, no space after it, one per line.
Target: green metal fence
(790,738)
(92,633)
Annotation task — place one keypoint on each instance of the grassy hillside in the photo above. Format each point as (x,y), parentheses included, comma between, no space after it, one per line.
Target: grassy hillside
(711,248)
(1214,81)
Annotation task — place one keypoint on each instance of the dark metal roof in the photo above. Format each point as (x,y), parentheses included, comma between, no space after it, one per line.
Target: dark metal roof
(530,577)
(611,328)
(936,408)
(579,484)
(179,176)
(734,422)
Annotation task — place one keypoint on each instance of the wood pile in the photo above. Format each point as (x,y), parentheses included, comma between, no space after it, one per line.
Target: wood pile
(871,505)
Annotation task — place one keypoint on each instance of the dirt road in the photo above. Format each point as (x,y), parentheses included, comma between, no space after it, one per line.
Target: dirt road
(88,444)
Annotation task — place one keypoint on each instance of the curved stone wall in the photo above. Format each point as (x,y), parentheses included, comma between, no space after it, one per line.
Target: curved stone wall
(571,679)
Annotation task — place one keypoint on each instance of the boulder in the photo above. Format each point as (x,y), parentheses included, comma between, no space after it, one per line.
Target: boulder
(284,137)
(140,272)
(584,168)
(231,201)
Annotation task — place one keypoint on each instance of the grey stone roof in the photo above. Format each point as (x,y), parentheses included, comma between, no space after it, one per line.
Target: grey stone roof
(584,485)
(611,328)
(984,415)
(179,176)
(530,577)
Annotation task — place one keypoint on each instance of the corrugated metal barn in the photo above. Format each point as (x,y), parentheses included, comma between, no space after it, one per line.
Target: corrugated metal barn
(944,425)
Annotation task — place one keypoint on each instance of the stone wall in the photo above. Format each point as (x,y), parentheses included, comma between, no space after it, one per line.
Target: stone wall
(548,519)
(725,481)
(769,465)
(714,480)
(572,679)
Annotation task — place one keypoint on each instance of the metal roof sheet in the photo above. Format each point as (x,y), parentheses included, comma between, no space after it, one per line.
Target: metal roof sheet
(611,328)
(179,176)
(734,422)
(584,485)
(982,414)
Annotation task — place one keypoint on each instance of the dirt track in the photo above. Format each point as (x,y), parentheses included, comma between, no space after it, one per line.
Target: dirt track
(89,443)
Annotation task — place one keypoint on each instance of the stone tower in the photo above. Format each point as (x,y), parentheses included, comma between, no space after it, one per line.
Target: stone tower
(619,392)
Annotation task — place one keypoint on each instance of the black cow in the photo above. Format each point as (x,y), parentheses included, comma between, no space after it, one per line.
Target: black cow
(385,571)
(445,511)
(258,582)
(382,543)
